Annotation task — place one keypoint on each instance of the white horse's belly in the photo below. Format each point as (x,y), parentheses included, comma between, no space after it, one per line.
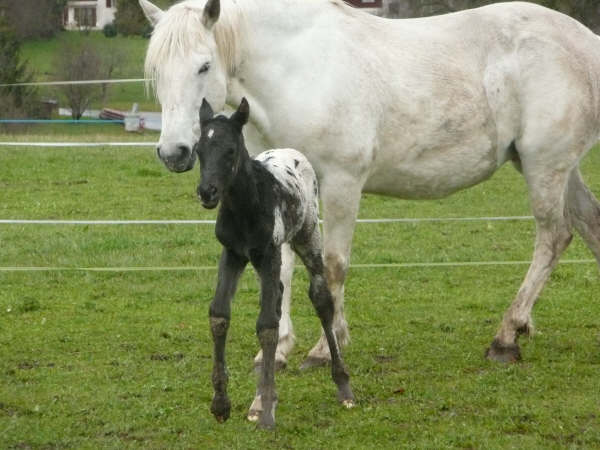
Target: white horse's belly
(435,172)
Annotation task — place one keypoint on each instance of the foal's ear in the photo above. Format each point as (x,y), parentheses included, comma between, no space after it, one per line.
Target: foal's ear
(212,9)
(240,117)
(153,13)
(206,111)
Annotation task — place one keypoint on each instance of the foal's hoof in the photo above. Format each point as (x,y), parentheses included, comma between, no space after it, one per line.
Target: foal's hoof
(253,416)
(221,419)
(313,361)
(220,408)
(503,353)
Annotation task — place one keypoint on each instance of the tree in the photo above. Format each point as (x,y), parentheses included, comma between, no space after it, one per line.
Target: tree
(34,18)
(83,60)
(585,11)
(16,101)
(112,59)
(79,61)
(129,18)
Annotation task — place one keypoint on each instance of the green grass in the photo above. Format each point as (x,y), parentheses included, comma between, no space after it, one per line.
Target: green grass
(123,359)
(41,54)
(73,132)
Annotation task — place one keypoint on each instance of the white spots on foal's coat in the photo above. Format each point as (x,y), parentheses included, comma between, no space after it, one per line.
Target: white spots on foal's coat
(278,227)
(210,133)
(297,177)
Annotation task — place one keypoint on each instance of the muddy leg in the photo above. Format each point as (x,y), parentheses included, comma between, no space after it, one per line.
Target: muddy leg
(584,212)
(268,266)
(547,192)
(230,269)
(286,330)
(340,208)
(310,252)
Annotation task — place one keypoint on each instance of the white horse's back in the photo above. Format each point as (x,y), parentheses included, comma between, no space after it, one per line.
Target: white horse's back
(463,88)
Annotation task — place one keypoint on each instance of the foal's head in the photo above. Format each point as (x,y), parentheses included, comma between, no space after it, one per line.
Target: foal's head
(220,150)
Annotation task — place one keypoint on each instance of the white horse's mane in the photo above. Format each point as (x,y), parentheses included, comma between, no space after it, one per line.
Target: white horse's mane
(181,28)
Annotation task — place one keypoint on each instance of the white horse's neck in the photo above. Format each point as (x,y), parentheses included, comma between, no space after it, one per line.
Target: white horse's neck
(268,53)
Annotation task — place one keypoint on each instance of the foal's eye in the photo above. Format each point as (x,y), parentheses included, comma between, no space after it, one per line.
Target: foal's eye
(204,68)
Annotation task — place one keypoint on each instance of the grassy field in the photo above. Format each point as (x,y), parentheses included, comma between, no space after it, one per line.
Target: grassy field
(122,359)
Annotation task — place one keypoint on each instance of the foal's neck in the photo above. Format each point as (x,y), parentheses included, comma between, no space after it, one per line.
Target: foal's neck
(242,194)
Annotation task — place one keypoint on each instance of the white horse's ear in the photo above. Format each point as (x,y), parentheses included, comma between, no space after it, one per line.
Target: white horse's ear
(153,13)
(206,111)
(212,9)
(242,114)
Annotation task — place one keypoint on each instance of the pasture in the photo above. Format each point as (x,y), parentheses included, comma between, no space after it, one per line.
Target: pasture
(96,356)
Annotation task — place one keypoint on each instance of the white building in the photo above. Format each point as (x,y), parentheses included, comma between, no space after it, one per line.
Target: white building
(89,14)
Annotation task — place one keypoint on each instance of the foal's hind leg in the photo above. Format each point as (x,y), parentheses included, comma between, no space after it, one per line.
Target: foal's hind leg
(584,212)
(286,331)
(547,192)
(310,251)
(340,198)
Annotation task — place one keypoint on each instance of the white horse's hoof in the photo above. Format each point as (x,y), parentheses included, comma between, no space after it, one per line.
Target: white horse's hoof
(253,416)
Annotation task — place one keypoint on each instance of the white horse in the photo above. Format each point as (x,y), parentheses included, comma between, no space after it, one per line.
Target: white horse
(415,108)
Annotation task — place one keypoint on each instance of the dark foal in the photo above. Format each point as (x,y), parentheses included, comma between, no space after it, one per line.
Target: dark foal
(265,202)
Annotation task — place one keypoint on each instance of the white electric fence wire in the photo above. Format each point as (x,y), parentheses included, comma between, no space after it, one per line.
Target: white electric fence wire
(352,266)
(212,222)
(66,83)
(77,144)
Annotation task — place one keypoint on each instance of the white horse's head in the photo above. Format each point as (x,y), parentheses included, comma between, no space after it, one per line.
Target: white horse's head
(185,66)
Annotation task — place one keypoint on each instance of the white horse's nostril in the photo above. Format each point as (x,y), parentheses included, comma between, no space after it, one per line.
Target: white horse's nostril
(184,150)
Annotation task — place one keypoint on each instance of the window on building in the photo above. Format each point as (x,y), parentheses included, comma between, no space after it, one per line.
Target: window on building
(85,17)
(109,3)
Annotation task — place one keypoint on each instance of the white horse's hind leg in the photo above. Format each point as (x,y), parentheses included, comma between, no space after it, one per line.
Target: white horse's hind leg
(340,200)
(286,330)
(547,192)
(584,212)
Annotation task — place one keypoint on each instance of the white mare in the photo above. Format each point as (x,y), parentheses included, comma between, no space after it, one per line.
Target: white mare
(414,108)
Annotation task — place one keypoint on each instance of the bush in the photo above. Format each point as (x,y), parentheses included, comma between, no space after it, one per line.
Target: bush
(109,30)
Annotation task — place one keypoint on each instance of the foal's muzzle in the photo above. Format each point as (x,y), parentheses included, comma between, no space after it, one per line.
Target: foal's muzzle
(208,196)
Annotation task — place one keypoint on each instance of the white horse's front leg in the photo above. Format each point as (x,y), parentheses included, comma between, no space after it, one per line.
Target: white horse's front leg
(340,199)
(286,331)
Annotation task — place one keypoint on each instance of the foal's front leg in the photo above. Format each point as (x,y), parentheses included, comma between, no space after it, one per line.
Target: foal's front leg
(230,269)
(268,266)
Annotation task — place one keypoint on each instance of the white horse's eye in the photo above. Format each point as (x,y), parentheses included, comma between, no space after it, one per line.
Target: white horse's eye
(204,68)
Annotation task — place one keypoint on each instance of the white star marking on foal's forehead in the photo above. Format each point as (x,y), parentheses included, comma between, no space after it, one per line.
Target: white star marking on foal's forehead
(210,133)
